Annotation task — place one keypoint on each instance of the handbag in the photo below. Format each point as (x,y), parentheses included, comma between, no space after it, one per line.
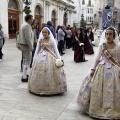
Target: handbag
(83,99)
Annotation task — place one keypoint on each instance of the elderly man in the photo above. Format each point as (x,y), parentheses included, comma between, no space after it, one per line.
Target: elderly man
(61,35)
(25,40)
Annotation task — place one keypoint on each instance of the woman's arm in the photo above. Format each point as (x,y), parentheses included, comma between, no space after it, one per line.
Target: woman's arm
(97,58)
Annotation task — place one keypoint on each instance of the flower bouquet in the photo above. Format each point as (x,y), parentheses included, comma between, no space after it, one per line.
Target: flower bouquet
(59,63)
(81,44)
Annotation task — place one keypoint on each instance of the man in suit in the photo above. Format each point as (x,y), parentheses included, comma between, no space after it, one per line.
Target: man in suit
(25,40)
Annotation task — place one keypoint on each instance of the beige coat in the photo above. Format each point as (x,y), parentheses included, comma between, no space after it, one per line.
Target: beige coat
(26,35)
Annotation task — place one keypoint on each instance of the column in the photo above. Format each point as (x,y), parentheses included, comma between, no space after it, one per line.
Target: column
(44,7)
(58,16)
(62,14)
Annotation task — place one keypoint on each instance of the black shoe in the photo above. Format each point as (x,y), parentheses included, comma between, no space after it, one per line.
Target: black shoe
(24,80)
(27,76)
(62,53)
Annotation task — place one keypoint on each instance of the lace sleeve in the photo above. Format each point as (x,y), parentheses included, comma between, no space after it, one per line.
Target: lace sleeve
(98,57)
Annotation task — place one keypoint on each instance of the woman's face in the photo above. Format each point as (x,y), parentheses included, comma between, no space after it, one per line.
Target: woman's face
(34,25)
(109,35)
(45,33)
(90,30)
(78,32)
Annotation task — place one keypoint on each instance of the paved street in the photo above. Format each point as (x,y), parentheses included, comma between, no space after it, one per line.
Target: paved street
(16,103)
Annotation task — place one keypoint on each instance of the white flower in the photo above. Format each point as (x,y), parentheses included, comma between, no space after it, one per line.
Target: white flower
(81,44)
(59,63)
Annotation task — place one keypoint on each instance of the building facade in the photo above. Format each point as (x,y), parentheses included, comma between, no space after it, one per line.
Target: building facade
(77,13)
(89,10)
(115,6)
(11,15)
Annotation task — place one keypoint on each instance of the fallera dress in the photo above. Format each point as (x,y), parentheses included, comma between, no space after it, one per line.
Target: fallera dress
(88,45)
(45,78)
(79,54)
(105,90)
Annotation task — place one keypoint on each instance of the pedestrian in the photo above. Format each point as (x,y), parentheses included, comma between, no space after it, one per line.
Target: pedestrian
(96,37)
(73,38)
(90,34)
(1,42)
(25,40)
(58,27)
(79,54)
(50,26)
(61,35)
(103,101)
(34,24)
(88,44)
(68,38)
(46,77)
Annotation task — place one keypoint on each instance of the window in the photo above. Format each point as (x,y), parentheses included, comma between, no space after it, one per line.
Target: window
(89,4)
(90,19)
(83,2)
(88,10)
(91,10)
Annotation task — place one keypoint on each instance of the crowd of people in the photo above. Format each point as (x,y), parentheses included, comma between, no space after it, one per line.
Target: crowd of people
(100,91)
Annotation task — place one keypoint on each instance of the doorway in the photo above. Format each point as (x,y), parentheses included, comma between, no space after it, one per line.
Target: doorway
(13,23)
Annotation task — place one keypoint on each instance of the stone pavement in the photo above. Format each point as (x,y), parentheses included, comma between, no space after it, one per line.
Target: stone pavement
(16,103)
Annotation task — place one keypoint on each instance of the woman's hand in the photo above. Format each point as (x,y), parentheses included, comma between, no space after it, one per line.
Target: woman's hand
(92,73)
(76,38)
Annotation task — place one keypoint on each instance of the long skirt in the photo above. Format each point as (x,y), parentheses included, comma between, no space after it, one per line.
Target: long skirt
(45,77)
(88,47)
(79,55)
(105,93)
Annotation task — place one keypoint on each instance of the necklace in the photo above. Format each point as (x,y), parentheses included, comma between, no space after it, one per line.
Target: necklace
(110,42)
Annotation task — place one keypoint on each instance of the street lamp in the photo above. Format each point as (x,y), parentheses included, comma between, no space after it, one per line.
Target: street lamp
(82,23)
(27,8)
(27,2)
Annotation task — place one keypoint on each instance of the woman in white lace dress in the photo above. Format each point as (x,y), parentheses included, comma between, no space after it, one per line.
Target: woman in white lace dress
(104,100)
(46,78)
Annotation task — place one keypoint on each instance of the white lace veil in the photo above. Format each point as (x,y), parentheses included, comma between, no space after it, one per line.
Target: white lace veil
(104,40)
(52,40)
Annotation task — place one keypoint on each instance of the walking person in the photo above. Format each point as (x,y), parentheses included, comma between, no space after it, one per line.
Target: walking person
(79,53)
(58,27)
(34,41)
(1,42)
(50,26)
(61,35)
(25,40)
(46,77)
(68,38)
(102,90)
(88,46)
(73,38)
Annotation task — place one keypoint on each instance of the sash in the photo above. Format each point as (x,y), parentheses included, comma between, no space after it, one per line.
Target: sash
(109,56)
(50,52)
